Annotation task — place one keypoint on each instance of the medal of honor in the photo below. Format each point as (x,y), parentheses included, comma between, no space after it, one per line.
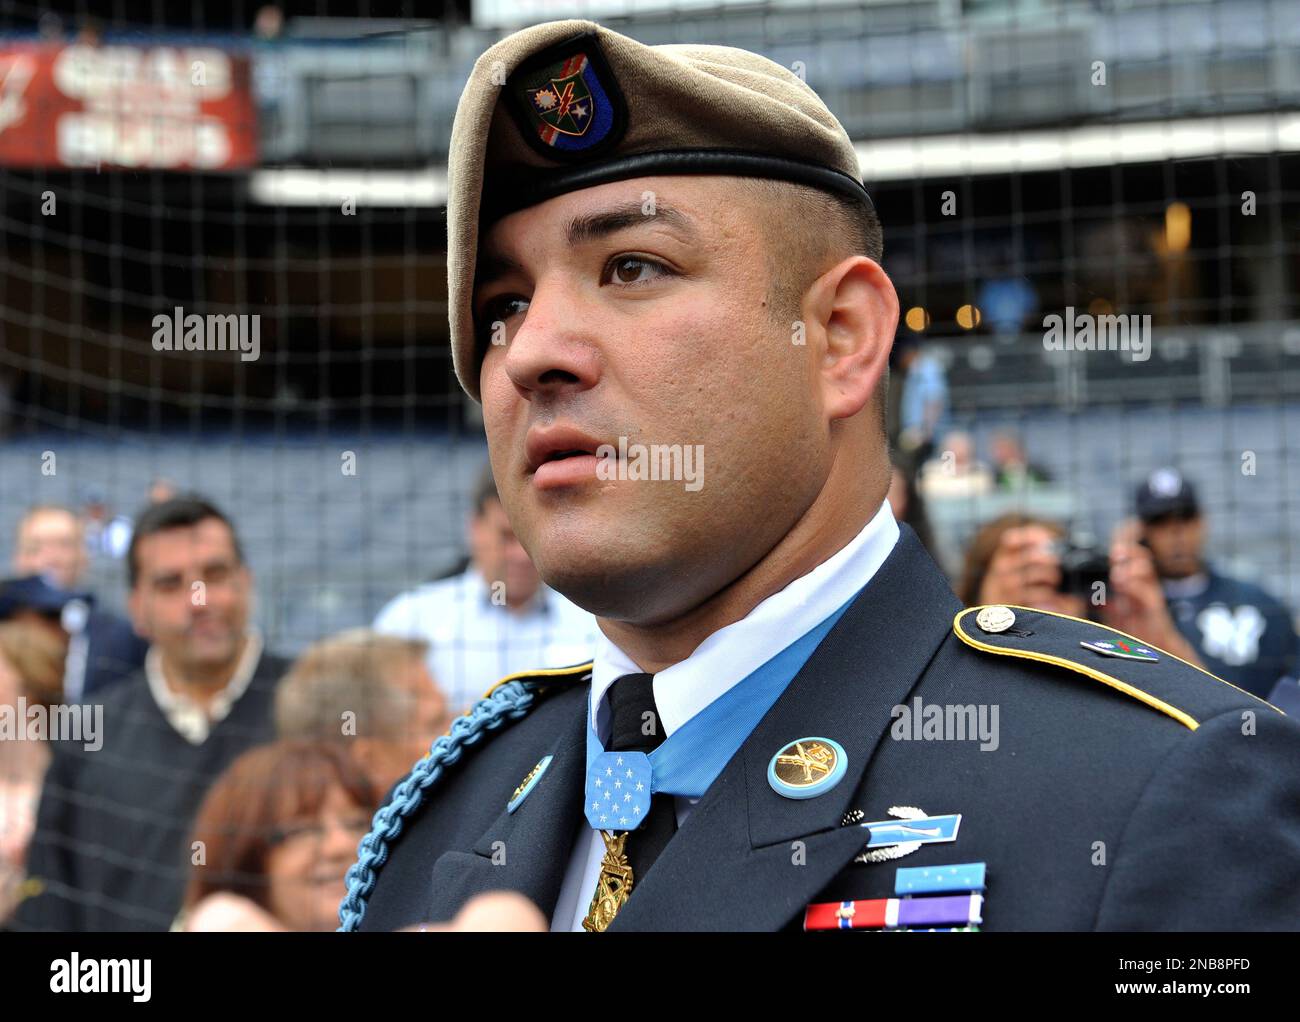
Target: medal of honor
(613,886)
(618,798)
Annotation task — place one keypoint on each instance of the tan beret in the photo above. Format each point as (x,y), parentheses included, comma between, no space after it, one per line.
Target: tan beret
(570,104)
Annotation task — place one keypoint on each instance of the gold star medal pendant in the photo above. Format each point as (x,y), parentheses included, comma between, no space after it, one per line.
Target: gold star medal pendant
(617,800)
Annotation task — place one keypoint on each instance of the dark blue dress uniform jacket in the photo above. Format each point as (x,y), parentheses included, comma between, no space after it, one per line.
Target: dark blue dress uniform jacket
(1122,795)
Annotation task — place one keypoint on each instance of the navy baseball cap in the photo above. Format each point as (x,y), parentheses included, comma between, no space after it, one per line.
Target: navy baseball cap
(1166,492)
(33,592)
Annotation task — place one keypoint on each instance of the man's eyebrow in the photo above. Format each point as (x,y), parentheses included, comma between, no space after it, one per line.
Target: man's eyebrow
(493,267)
(591,226)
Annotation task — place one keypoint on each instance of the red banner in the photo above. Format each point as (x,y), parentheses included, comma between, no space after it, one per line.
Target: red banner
(159,107)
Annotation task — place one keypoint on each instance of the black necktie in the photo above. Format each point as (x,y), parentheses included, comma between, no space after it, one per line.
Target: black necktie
(635,727)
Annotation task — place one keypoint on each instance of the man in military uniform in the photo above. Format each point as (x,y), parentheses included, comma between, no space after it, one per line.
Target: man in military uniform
(662,256)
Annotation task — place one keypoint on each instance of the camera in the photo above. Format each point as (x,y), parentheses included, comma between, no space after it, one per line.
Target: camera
(1083,565)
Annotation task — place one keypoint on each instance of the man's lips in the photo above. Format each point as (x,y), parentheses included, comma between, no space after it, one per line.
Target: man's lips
(553,443)
(209,629)
(579,468)
(560,456)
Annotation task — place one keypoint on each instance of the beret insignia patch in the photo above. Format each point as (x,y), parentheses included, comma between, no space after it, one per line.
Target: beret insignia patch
(565,100)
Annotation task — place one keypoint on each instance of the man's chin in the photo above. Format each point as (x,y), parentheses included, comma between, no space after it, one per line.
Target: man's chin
(1178,569)
(618,588)
(211,656)
(615,560)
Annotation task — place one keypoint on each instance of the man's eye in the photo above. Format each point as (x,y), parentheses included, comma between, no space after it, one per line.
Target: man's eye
(489,324)
(631,270)
(501,308)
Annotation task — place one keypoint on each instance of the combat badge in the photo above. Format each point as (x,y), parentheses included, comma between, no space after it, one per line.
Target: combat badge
(807,768)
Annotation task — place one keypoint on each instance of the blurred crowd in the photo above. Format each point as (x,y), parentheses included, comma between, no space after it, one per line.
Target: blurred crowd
(219,786)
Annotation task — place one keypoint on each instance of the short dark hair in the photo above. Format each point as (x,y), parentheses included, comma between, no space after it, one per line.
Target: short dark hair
(181,511)
(861,223)
(807,230)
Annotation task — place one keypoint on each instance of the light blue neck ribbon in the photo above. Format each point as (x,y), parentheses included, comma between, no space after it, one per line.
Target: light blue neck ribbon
(690,759)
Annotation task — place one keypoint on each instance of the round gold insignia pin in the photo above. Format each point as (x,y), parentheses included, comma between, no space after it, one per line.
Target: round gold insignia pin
(807,768)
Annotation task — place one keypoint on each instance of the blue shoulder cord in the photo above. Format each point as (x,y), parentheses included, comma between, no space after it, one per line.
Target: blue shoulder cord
(504,705)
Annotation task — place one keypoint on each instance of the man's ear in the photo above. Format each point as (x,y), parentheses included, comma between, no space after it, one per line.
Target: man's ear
(855,310)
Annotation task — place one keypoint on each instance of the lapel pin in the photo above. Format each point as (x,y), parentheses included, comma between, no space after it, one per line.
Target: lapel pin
(807,768)
(1123,650)
(889,852)
(995,619)
(923,830)
(527,785)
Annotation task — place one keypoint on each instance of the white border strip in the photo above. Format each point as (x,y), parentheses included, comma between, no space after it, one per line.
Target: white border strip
(300,186)
(896,159)
(1085,146)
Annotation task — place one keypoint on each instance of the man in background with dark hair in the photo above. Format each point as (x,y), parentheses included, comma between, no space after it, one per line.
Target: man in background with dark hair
(492,618)
(1240,632)
(109,849)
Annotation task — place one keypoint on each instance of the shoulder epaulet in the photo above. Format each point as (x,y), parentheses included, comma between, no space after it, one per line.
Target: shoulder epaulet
(547,677)
(509,700)
(1156,677)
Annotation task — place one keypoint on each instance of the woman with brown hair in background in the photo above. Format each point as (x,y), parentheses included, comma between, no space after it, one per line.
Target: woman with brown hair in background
(1013,560)
(274,838)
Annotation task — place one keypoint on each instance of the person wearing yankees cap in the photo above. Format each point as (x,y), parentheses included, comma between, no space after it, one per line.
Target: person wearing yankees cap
(666,289)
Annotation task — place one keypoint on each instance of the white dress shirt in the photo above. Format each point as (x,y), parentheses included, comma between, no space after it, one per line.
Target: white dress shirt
(474,642)
(191,719)
(726,657)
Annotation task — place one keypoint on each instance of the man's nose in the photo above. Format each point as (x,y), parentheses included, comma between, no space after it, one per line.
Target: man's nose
(552,351)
